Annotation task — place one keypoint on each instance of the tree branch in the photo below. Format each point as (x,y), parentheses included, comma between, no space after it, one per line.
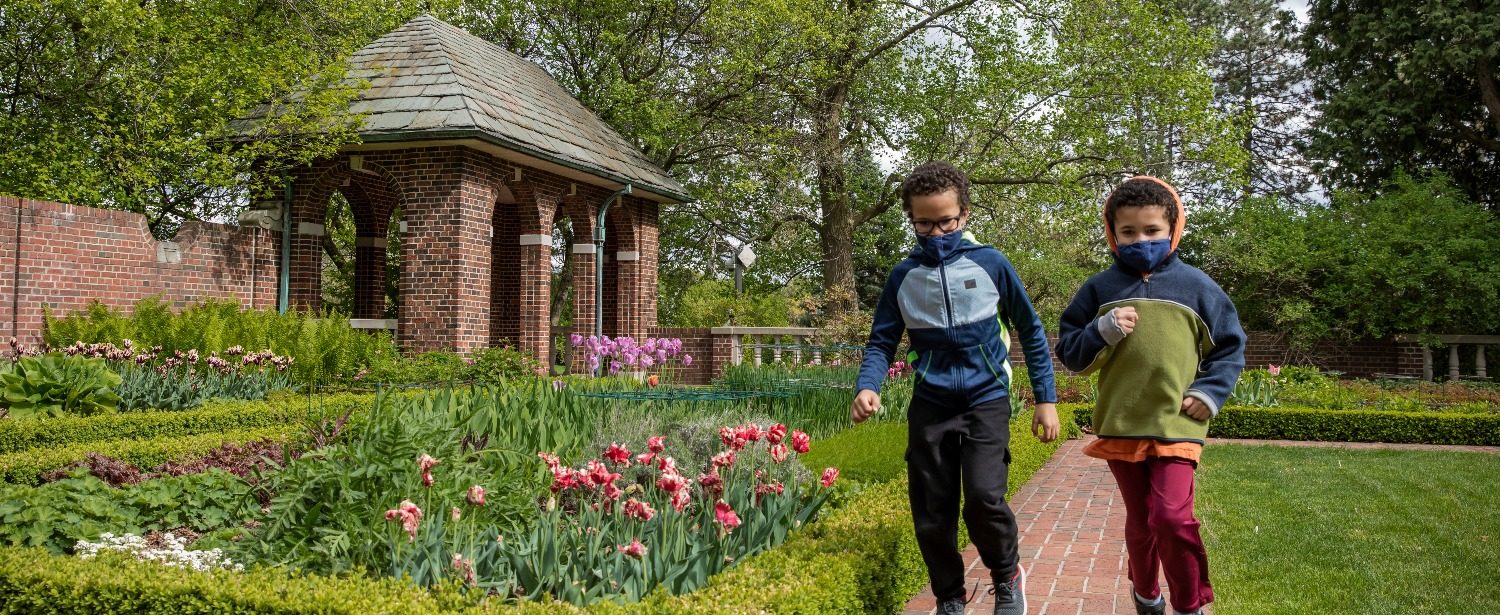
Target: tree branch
(886,200)
(904,34)
(1039,177)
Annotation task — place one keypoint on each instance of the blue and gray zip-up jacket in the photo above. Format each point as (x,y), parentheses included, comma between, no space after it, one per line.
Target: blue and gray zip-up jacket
(955,312)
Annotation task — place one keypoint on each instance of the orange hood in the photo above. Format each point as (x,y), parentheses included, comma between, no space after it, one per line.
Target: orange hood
(1109,231)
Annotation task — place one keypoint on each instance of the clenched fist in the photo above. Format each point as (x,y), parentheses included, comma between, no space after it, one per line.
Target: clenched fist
(1125,318)
(866,404)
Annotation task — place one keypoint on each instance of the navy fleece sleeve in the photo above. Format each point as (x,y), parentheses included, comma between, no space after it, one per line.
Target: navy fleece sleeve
(1016,306)
(885,335)
(1078,339)
(1221,368)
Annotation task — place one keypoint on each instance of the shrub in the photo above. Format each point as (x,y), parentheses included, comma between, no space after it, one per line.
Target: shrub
(26,467)
(1289,423)
(213,416)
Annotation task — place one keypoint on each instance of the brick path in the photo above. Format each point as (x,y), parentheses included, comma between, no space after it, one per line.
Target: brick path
(1072,544)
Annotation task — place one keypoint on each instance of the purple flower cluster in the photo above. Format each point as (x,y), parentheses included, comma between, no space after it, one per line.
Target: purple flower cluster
(623,352)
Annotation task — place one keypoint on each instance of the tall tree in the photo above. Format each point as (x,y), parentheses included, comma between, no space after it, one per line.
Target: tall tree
(1408,85)
(127,105)
(1261,82)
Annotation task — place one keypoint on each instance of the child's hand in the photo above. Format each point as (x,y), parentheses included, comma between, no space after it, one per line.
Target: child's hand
(1044,423)
(1195,409)
(1125,318)
(866,404)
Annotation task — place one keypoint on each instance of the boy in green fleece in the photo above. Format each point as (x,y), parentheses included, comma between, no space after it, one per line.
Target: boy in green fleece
(1168,347)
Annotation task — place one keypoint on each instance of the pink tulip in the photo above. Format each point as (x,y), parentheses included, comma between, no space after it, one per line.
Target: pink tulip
(776,433)
(644,458)
(724,459)
(712,482)
(801,442)
(475,496)
(830,475)
(726,515)
(637,509)
(778,453)
(656,444)
(635,549)
(1273,369)
(618,454)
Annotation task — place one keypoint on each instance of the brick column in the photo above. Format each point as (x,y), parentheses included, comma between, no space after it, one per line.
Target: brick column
(536,204)
(445,279)
(505,281)
(581,210)
(626,294)
(312,186)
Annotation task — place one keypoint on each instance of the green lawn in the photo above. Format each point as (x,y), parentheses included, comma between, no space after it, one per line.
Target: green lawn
(1322,530)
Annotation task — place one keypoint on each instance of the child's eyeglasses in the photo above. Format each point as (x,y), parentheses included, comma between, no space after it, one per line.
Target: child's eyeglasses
(946,225)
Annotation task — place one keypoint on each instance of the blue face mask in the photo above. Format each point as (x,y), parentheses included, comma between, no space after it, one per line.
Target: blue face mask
(1144,255)
(941,246)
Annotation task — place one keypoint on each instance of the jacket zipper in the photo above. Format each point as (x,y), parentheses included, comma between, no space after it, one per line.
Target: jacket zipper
(947,300)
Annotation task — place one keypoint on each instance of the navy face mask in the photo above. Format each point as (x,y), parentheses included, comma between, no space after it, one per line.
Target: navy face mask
(1144,255)
(941,246)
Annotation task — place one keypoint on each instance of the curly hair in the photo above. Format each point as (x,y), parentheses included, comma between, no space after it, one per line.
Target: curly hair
(1140,192)
(935,177)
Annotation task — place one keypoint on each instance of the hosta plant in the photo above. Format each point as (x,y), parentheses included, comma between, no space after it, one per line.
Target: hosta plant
(54,384)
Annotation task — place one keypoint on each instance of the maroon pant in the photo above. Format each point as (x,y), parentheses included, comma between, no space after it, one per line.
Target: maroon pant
(1161,532)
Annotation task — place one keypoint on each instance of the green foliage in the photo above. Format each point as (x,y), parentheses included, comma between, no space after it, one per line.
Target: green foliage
(816,398)
(328,510)
(58,514)
(870,452)
(859,558)
(1406,86)
(188,386)
(713,303)
(1414,258)
(53,385)
(1256,387)
(324,349)
(488,366)
(572,551)
(132,106)
(1356,426)
(213,417)
(35,583)
(25,467)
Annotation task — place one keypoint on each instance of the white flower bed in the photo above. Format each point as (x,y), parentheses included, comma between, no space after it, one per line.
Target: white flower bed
(175,553)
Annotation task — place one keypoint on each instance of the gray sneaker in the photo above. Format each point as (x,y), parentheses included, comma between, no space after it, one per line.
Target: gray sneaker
(1149,608)
(1010,596)
(951,607)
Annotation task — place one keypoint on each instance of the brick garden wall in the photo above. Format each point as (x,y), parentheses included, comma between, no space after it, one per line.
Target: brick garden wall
(64,256)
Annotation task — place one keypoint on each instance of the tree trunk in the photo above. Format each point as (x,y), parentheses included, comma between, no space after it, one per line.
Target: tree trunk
(836,233)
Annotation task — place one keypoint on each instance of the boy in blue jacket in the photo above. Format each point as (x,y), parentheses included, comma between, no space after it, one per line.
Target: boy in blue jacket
(1168,347)
(953,296)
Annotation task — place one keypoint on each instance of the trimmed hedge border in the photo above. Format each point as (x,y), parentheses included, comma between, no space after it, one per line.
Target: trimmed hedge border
(860,558)
(1291,423)
(214,416)
(26,467)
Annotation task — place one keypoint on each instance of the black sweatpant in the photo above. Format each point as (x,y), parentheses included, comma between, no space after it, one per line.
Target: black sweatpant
(951,446)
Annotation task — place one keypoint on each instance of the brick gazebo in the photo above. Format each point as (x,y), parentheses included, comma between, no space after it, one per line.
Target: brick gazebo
(482,151)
